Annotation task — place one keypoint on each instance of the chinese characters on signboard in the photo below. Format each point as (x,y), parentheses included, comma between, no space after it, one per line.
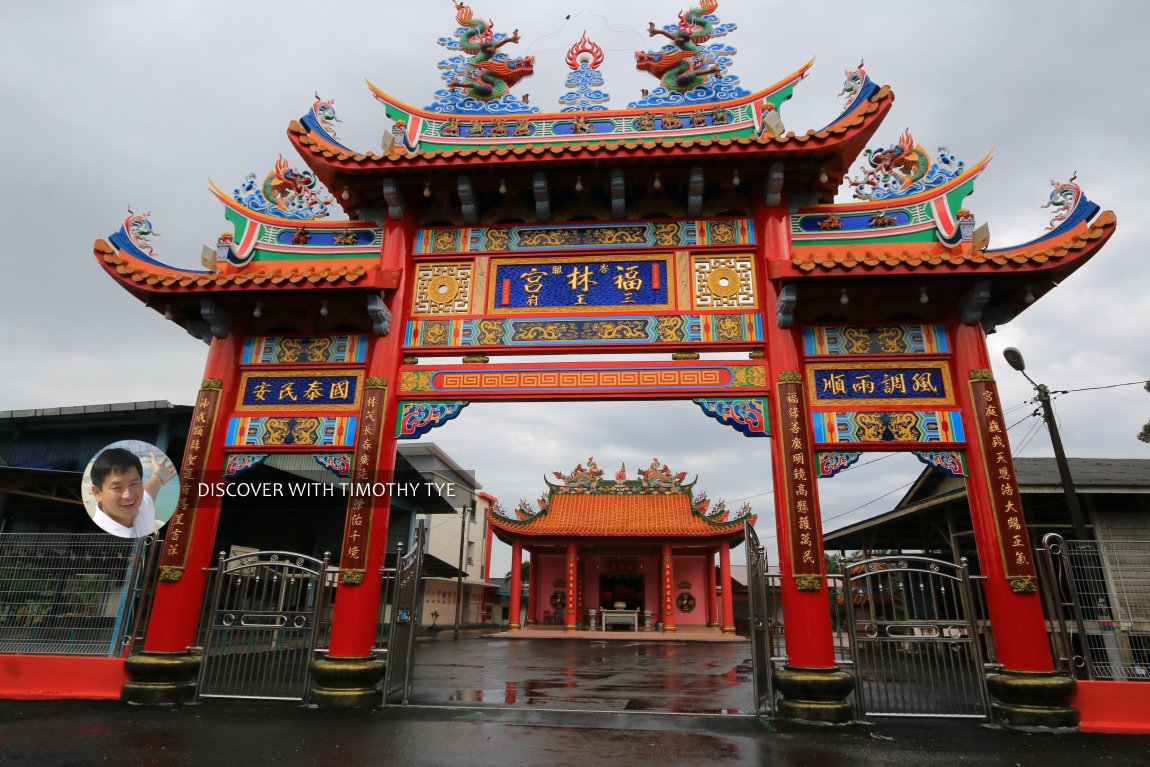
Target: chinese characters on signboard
(799,473)
(299,390)
(357,526)
(1002,483)
(174,554)
(919,384)
(575,284)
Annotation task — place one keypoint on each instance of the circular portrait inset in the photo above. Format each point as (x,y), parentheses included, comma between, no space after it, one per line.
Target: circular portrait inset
(130,488)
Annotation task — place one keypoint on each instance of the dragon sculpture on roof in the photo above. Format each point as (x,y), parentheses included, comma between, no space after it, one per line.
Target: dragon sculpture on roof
(687,66)
(490,74)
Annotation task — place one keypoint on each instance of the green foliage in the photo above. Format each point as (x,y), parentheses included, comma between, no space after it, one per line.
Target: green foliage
(1144,435)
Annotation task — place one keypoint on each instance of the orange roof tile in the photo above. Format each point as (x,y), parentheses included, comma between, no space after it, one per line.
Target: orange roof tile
(615,516)
(132,271)
(933,255)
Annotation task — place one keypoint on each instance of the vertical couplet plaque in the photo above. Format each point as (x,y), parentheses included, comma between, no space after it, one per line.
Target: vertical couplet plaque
(799,471)
(357,527)
(1002,483)
(174,555)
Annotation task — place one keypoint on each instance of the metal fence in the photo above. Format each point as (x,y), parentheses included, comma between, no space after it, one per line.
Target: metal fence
(70,594)
(1097,596)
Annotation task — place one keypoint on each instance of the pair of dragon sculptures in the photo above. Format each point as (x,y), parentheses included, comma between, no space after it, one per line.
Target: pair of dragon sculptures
(680,67)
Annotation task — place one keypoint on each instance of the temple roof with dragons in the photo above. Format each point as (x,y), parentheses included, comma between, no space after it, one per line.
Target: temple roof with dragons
(658,503)
(696,129)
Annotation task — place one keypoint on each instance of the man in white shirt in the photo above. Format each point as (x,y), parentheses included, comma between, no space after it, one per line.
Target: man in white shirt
(125,504)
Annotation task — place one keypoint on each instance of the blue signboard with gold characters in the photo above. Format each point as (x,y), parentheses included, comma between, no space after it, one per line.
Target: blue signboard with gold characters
(873,384)
(579,284)
(300,390)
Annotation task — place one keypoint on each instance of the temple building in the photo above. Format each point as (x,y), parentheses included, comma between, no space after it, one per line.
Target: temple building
(637,553)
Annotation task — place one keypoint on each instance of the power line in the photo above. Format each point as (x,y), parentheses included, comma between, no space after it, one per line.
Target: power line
(1096,388)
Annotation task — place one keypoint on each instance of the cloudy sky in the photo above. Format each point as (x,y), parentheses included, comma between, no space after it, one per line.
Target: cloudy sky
(118,104)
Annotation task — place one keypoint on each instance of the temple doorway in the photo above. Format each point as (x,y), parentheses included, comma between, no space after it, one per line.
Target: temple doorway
(621,592)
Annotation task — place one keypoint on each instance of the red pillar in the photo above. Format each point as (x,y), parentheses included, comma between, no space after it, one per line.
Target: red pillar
(712,600)
(356,611)
(1017,619)
(728,595)
(533,590)
(572,589)
(177,604)
(806,614)
(668,589)
(516,583)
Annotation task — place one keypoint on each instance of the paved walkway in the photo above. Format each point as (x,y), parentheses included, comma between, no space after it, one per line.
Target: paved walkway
(617,671)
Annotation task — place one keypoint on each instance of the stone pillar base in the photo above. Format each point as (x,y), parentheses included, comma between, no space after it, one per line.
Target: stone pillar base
(161,679)
(814,694)
(728,630)
(669,629)
(515,626)
(1032,700)
(346,682)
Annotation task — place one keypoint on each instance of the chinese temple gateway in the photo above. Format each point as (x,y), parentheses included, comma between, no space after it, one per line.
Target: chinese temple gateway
(623,552)
(691,221)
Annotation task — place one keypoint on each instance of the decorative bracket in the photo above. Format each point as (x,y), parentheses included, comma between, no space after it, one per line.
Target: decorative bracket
(380,315)
(393,197)
(785,306)
(952,462)
(238,463)
(218,320)
(338,464)
(832,462)
(542,197)
(775,185)
(418,418)
(467,201)
(695,192)
(747,416)
(618,195)
(973,302)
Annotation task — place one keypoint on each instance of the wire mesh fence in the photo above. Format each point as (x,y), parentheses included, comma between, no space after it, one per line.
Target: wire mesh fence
(69,594)
(1098,605)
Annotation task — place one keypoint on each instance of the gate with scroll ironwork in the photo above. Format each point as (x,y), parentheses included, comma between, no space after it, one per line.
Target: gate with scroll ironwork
(917,651)
(261,625)
(760,620)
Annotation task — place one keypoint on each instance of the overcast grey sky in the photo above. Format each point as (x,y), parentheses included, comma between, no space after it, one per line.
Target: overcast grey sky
(117,104)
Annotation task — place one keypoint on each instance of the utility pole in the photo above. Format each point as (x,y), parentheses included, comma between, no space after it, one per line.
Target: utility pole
(1014,358)
(466,511)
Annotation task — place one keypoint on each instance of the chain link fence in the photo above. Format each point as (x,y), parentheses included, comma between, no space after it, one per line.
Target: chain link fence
(70,594)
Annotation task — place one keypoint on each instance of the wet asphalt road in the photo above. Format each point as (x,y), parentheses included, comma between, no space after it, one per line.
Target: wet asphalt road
(79,734)
(587,675)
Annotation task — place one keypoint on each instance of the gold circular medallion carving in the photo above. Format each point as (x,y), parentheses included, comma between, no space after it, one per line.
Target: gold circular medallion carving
(443,288)
(723,281)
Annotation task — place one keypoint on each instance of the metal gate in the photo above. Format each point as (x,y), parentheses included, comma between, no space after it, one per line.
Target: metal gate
(404,623)
(917,651)
(760,620)
(261,624)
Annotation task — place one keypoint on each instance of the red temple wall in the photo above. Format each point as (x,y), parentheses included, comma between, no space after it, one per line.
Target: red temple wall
(692,569)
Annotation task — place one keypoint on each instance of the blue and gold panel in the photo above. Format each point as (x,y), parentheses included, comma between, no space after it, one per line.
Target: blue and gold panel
(843,383)
(881,339)
(297,431)
(300,390)
(907,426)
(520,285)
(294,350)
(574,331)
(542,237)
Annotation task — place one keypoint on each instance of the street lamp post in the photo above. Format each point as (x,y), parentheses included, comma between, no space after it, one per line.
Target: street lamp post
(466,512)
(1014,358)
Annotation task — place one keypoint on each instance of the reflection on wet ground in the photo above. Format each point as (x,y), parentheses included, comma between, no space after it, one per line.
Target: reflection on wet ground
(680,677)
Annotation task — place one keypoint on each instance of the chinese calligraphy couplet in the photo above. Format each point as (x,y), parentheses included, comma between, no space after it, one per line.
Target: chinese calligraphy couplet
(174,555)
(1017,560)
(799,473)
(357,527)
